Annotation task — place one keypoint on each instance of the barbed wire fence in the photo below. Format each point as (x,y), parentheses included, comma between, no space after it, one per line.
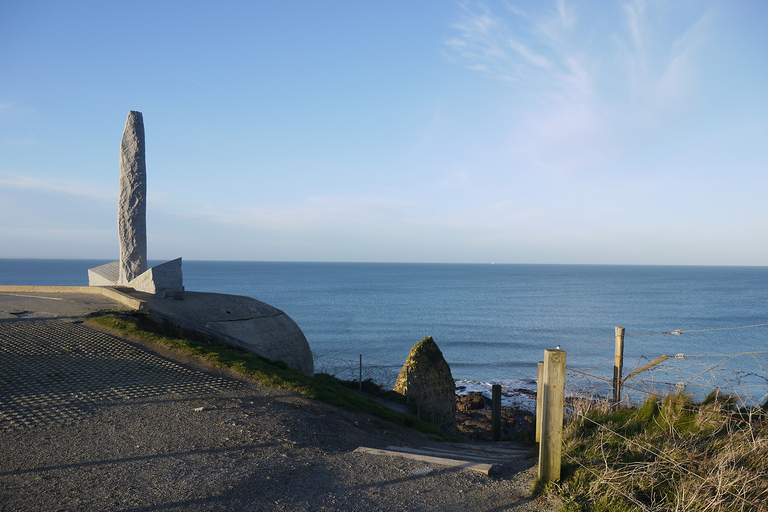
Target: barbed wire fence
(739,380)
(422,400)
(742,376)
(358,368)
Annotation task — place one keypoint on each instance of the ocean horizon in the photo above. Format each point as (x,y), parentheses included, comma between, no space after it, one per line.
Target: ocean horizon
(491,321)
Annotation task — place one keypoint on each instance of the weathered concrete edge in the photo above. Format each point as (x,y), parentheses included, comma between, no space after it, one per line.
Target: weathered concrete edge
(486,469)
(201,328)
(138,305)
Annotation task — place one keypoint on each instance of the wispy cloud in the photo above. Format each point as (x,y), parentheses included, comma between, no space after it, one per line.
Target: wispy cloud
(26,141)
(12,138)
(16,181)
(530,56)
(662,70)
(582,85)
(309,214)
(11,108)
(184,77)
(346,220)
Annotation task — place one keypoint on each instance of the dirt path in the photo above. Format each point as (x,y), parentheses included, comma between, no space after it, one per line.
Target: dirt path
(166,435)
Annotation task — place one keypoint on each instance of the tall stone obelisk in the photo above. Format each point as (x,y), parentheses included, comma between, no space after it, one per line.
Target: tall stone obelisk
(132,204)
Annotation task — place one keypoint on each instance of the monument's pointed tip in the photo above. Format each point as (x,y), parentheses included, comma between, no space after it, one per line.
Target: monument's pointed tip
(131,206)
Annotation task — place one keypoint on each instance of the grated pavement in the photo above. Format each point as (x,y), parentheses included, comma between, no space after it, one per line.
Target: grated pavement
(55,372)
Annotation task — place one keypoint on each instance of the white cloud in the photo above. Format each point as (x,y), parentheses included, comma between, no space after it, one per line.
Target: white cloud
(26,141)
(481,43)
(311,213)
(580,91)
(661,67)
(634,12)
(456,179)
(527,54)
(16,181)
(567,14)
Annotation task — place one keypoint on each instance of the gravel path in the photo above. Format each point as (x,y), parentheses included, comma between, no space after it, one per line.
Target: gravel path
(220,443)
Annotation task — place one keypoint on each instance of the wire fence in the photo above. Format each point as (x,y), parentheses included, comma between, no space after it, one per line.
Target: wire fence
(722,396)
(421,399)
(358,368)
(742,375)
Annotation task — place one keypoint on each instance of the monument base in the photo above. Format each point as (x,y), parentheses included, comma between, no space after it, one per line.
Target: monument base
(163,281)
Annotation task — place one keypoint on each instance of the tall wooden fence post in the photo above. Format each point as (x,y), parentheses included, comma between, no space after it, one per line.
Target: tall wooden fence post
(618,364)
(551,445)
(496,412)
(539,400)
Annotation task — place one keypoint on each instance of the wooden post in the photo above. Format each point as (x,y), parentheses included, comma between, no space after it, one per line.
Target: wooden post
(551,445)
(648,366)
(496,412)
(361,372)
(539,400)
(618,364)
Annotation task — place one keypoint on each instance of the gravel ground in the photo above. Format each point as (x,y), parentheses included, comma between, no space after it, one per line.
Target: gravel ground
(242,446)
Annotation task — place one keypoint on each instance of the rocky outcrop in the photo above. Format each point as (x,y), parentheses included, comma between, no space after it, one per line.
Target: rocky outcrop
(132,204)
(474,419)
(427,383)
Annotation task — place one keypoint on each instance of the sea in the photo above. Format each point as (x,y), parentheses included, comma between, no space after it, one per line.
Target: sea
(491,321)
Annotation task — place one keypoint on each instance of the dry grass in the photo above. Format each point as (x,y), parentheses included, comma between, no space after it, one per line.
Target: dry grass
(669,455)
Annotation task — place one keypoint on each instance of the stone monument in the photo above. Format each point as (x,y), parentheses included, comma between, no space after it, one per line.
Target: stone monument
(132,204)
(427,383)
(242,322)
(131,269)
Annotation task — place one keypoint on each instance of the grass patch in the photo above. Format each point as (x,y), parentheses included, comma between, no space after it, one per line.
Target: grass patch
(322,387)
(370,387)
(672,454)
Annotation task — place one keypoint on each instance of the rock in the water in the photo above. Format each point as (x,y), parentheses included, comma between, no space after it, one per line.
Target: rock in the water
(472,401)
(132,204)
(427,382)
(475,417)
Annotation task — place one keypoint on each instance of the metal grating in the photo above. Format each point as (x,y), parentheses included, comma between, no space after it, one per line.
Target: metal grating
(55,372)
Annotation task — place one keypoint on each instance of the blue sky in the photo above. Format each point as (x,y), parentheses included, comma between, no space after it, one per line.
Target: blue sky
(433,131)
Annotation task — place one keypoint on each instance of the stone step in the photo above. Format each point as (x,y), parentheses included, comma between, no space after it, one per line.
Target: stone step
(476,466)
(470,452)
(477,457)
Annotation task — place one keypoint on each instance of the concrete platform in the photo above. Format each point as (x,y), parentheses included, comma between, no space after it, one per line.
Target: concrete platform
(235,320)
(51,302)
